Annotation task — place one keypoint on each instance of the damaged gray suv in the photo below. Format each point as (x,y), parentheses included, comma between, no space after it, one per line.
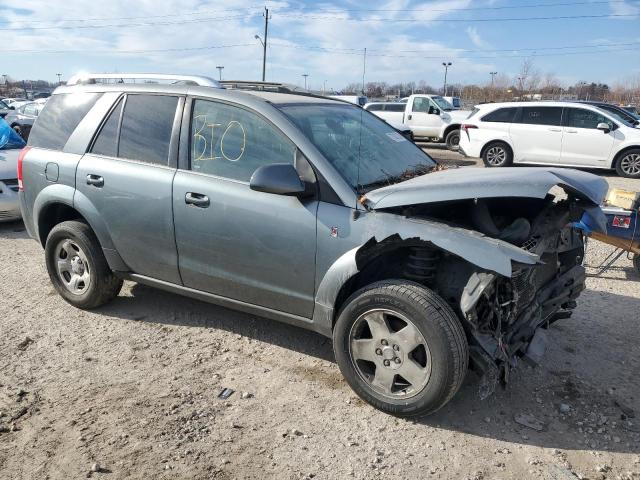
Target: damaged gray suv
(309,211)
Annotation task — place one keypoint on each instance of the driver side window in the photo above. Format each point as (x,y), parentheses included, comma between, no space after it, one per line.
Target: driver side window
(231,142)
(420,105)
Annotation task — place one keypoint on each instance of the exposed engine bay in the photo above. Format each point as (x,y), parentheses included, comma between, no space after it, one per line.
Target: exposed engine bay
(505,318)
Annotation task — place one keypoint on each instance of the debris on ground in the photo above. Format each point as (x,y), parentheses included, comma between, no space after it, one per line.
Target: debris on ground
(225,393)
(25,343)
(529,421)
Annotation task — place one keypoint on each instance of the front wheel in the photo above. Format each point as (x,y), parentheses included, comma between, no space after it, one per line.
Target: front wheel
(453,140)
(77,267)
(401,348)
(628,165)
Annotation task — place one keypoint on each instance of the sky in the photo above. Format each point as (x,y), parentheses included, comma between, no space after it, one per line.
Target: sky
(588,40)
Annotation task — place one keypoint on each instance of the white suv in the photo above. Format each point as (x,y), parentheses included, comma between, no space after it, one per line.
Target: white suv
(551,133)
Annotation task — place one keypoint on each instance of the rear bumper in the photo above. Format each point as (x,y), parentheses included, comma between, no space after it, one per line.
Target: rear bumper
(467,147)
(9,205)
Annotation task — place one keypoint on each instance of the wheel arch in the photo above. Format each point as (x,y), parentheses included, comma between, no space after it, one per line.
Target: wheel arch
(450,128)
(619,154)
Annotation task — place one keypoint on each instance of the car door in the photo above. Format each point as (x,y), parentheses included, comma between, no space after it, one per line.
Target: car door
(582,142)
(127,177)
(536,134)
(255,247)
(424,117)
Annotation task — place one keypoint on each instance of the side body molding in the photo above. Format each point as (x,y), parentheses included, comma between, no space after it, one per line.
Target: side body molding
(487,253)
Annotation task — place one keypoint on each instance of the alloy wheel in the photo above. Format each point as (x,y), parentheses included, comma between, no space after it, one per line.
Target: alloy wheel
(72,267)
(496,156)
(630,164)
(390,354)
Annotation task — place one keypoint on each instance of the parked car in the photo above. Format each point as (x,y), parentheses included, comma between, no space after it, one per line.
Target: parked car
(455,102)
(10,146)
(312,212)
(21,119)
(551,133)
(403,128)
(14,102)
(359,100)
(618,112)
(4,109)
(428,116)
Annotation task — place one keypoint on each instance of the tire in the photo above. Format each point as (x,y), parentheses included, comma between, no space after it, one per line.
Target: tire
(435,368)
(18,130)
(497,154)
(77,267)
(453,140)
(636,262)
(628,164)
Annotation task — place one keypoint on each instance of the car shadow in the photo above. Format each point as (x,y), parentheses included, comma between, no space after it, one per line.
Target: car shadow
(14,229)
(534,391)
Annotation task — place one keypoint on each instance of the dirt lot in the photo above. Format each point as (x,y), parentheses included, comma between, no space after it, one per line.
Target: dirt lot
(131,390)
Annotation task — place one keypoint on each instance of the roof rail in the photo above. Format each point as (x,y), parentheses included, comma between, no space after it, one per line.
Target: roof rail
(91,78)
(262,86)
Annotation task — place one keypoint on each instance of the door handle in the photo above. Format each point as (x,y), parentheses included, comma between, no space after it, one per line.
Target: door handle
(196,199)
(95,180)
(409,117)
(571,131)
(555,130)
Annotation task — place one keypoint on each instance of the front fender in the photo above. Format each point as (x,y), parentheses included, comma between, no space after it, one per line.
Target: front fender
(485,252)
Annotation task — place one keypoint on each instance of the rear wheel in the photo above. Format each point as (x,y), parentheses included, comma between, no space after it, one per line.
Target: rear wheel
(77,267)
(497,154)
(453,139)
(401,348)
(628,165)
(636,262)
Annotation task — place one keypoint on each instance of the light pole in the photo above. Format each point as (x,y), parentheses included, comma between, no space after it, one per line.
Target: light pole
(220,68)
(264,42)
(305,75)
(6,87)
(59,77)
(446,66)
(324,87)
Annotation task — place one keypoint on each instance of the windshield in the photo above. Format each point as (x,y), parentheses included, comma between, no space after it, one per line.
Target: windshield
(3,105)
(366,151)
(442,103)
(618,116)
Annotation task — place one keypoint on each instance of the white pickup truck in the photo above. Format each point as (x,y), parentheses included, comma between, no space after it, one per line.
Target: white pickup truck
(428,116)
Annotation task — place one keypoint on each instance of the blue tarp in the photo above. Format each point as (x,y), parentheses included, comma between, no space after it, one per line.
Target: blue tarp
(8,137)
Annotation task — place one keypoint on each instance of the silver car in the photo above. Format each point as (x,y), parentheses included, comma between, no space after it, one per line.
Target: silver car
(310,211)
(9,205)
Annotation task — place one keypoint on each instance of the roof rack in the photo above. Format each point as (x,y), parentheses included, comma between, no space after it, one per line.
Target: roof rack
(91,78)
(262,86)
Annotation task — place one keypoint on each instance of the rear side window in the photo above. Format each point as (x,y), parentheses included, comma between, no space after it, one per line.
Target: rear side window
(504,115)
(147,123)
(60,117)
(107,141)
(374,108)
(395,108)
(541,115)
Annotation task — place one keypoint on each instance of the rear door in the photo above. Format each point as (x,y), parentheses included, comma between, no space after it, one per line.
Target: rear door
(536,134)
(255,247)
(127,177)
(583,143)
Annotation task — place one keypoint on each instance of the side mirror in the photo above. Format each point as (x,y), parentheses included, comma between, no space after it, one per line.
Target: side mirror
(278,178)
(12,107)
(604,127)
(433,110)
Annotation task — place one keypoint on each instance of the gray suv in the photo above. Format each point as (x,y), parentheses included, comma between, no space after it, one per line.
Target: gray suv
(309,211)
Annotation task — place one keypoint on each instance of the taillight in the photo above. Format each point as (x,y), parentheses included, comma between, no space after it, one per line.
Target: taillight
(23,153)
(467,126)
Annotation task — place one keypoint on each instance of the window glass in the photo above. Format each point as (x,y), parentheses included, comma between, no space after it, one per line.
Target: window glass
(107,141)
(395,107)
(231,142)
(364,149)
(441,104)
(580,118)
(30,109)
(420,104)
(541,115)
(59,118)
(376,107)
(147,123)
(500,115)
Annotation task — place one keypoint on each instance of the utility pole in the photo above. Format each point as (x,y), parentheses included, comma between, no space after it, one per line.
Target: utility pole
(264,44)
(493,74)
(220,68)
(305,75)
(324,87)
(364,68)
(59,77)
(446,66)
(6,87)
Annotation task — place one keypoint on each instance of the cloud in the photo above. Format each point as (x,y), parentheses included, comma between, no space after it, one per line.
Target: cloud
(621,7)
(475,38)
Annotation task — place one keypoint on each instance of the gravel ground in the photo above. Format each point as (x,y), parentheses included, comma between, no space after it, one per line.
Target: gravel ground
(130,391)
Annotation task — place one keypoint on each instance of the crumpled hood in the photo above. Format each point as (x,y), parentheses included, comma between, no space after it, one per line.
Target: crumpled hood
(466,183)
(9,163)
